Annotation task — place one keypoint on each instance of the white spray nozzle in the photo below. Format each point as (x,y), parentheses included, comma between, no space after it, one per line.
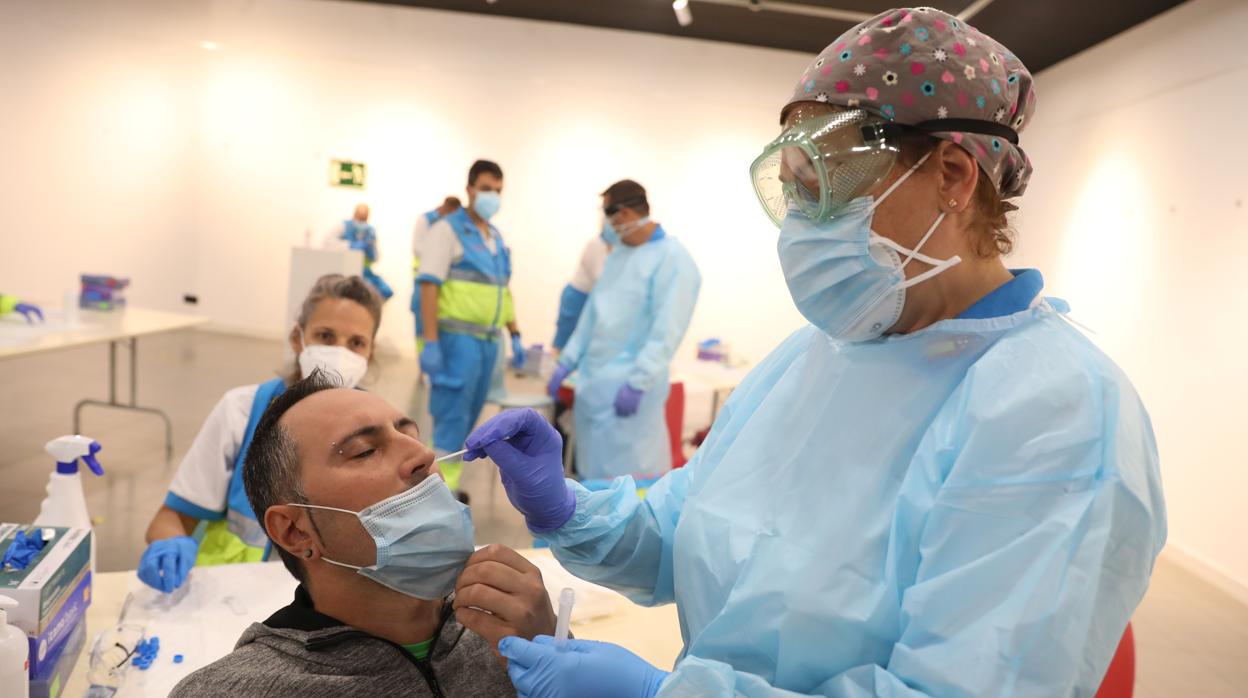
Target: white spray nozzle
(68,449)
(567,598)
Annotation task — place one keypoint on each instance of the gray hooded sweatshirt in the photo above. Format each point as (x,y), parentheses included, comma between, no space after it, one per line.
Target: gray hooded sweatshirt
(300,652)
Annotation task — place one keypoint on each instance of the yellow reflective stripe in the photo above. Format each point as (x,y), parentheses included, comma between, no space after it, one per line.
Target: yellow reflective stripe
(471,302)
(451,470)
(221,547)
(509,308)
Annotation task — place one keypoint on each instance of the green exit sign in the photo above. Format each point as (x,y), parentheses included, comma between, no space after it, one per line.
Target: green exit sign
(343,173)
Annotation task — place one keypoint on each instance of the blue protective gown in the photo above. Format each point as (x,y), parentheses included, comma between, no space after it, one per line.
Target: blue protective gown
(973,509)
(635,319)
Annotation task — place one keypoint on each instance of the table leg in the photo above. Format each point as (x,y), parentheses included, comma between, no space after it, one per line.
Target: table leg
(132,344)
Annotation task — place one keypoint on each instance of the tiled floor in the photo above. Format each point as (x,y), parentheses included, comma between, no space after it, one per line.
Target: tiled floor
(1191,638)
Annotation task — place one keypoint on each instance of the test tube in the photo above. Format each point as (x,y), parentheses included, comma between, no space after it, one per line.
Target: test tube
(567,598)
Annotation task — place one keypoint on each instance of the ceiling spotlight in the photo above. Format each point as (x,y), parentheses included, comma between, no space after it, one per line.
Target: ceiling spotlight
(683,14)
(210,45)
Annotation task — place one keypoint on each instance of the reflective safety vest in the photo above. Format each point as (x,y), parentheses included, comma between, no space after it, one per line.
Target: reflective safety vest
(474,298)
(239,537)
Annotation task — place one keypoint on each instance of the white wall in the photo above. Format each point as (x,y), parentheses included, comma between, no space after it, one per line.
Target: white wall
(227,152)
(1138,214)
(98,163)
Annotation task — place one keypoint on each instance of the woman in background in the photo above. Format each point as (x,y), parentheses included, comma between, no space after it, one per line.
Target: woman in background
(335,331)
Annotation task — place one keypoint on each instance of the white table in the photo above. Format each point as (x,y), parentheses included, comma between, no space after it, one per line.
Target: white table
(117,328)
(222,601)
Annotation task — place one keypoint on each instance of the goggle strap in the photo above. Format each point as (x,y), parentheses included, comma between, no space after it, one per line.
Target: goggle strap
(986,128)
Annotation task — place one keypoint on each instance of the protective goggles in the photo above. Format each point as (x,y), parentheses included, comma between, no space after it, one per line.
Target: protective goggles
(614,208)
(821,164)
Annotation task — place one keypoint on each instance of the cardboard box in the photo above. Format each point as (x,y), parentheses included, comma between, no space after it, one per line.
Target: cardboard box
(46,648)
(43,587)
(55,674)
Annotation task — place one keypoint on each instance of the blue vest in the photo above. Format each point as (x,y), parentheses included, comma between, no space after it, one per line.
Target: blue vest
(478,265)
(241,518)
(496,267)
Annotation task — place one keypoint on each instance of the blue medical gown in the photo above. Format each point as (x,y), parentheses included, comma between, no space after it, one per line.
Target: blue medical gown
(634,320)
(969,510)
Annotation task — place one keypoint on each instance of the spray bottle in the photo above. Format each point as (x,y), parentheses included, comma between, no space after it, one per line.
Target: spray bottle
(14,655)
(65,504)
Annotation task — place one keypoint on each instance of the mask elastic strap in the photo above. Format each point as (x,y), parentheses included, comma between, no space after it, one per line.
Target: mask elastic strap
(923,240)
(900,180)
(318,506)
(345,511)
(357,568)
(942,266)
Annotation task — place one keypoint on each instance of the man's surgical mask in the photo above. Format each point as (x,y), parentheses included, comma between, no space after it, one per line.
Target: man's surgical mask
(487,204)
(608,233)
(623,230)
(846,279)
(348,366)
(423,535)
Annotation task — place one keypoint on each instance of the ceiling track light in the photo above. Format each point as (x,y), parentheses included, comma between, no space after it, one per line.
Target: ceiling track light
(684,16)
(790,8)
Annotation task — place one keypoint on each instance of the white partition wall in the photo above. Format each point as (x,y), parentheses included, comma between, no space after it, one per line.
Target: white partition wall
(1138,213)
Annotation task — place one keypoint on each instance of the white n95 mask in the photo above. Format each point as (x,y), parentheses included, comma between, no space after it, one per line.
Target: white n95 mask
(846,279)
(424,537)
(347,365)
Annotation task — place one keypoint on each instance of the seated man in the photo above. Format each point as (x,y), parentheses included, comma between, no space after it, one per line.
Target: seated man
(352,502)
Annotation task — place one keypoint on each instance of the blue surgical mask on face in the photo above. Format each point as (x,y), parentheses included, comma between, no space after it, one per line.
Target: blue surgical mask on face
(487,204)
(608,233)
(423,535)
(614,234)
(846,279)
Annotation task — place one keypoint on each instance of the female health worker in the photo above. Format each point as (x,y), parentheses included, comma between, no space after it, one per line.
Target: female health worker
(335,331)
(938,487)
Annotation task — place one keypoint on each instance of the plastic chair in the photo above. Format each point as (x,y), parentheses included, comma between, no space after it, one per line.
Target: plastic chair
(1119,681)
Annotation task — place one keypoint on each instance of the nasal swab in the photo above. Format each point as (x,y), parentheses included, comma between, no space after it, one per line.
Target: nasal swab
(449,456)
(567,598)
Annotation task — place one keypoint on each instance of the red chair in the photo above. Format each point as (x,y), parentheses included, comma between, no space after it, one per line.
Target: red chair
(1119,680)
(676,423)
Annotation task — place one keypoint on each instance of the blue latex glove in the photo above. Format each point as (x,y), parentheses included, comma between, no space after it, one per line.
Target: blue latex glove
(529,455)
(627,399)
(517,352)
(29,311)
(585,668)
(561,372)
(166,563)
(431,359)
(22,550)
